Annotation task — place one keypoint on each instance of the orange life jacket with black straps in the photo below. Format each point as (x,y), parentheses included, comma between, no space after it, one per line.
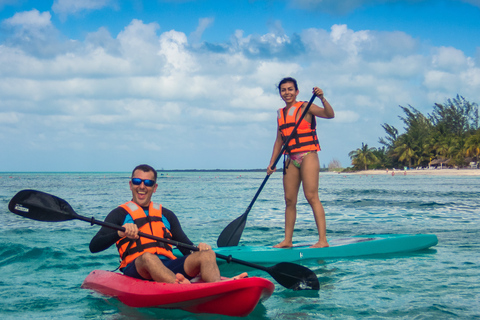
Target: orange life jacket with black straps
(129,249)
(305,138)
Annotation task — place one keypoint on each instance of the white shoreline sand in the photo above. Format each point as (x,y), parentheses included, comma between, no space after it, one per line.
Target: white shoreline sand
(413,172)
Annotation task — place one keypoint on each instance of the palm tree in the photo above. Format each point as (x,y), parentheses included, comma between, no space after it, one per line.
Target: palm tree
(472,145)
(405,153)
(444,146)
(432,143)
(456,117)
(406,149)
(383,160)
(363,156)
(457,150)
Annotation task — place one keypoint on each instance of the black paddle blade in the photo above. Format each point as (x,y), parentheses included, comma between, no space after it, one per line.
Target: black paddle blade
(232,233)
(294,276)
(41,206)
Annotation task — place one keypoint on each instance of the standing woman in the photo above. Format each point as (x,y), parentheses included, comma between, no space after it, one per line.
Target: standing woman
(301,164)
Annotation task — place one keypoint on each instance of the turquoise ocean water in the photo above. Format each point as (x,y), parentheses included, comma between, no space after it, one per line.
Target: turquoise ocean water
(42,264)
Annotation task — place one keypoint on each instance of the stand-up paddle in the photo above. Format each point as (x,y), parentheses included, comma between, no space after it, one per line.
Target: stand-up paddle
(232,233)
(42,206)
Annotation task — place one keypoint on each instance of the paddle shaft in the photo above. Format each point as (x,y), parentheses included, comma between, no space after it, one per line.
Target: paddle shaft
(229,259)
(242,218)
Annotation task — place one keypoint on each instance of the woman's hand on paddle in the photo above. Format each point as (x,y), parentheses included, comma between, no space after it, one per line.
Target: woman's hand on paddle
(270,170)
(131,231)
(318,92)
(327,110)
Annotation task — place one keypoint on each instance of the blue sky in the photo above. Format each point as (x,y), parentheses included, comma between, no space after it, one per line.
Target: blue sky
(103,85)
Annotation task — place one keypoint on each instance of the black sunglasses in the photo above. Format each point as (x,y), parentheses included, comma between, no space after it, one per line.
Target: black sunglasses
(147,182)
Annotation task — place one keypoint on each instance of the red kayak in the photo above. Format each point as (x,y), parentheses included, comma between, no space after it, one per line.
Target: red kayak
(228,297)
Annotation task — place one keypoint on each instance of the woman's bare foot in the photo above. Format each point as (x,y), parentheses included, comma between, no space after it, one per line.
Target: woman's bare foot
(320,244)
(181,279)
(284,244)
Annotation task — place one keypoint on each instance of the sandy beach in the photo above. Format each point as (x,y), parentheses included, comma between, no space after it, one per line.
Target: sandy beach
(439,172)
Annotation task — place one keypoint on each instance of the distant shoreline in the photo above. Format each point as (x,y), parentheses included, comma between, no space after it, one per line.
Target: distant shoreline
(213,170)
(414,172)
(225,170)
(438,172)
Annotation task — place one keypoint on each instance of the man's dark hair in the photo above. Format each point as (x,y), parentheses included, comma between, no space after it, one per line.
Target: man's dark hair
(145,168)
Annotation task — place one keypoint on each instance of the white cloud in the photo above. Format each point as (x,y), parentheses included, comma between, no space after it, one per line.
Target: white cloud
(30,19)
(346,116)
(400,67)
(9,117)
(33,32)
(108,92)
(203,24)
(268,46)
(451,59)
(67,7)
(348,40)
(173,48)
(452,72)
(268,70)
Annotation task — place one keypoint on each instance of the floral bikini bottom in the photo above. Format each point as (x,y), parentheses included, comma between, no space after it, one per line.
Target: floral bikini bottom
(297,158)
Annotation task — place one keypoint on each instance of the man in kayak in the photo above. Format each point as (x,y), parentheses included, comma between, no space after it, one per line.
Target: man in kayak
(148,259)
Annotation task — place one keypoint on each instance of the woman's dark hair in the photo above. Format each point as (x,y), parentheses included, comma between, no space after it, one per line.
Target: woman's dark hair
(288,79)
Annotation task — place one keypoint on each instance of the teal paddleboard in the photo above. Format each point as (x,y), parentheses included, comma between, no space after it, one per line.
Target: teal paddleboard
(351,247)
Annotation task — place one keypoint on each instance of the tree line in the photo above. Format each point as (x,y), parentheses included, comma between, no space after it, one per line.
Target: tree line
(449,136)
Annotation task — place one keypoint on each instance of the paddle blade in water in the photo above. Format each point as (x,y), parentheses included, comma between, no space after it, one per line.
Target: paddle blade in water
(41,206)
(294,276)
(232,233)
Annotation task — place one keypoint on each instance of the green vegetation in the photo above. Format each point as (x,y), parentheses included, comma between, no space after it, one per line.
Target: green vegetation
(450,136)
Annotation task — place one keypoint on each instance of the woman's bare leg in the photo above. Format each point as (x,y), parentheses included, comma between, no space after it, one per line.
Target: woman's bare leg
(310,170)
(291,185)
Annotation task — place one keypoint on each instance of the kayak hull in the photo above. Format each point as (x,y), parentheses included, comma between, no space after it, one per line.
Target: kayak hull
(351,247)
(228,297)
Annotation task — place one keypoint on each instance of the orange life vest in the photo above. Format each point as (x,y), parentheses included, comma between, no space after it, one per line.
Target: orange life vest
(129,249)
(305,138)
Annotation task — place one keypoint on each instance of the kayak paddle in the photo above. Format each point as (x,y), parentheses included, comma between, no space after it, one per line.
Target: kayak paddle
(42,206)
(230,236)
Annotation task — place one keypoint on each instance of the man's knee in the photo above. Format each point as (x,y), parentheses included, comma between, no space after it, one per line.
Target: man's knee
(197,260)
(211,254)
(147,259)
(207,255)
